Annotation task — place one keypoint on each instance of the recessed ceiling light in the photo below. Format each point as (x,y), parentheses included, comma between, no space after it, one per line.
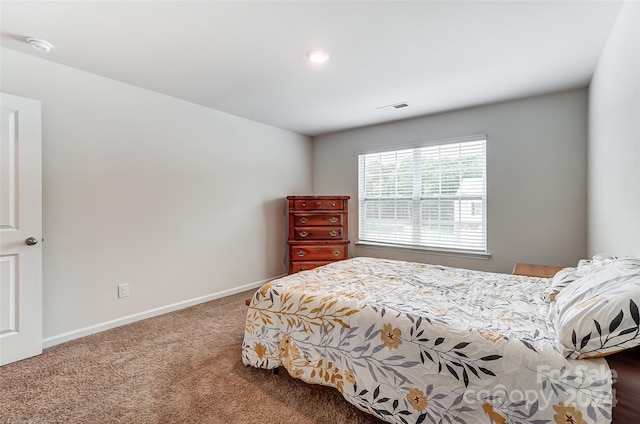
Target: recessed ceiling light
(318,56)
(40,45)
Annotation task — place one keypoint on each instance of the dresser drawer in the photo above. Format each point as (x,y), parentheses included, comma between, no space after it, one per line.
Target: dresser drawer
(310,252)
(303,266)
(317,219)
(319,204)
(317,233)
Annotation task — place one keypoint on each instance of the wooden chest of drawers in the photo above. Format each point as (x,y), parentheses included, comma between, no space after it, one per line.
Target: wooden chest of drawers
(318,231)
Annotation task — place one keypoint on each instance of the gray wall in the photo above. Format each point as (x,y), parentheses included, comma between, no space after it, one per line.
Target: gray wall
(177,200)
(614,141)
(536,176)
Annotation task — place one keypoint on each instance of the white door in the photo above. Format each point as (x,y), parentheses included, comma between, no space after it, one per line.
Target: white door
(20,229)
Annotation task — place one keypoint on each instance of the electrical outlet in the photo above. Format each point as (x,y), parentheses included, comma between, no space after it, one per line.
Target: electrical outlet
(123,290)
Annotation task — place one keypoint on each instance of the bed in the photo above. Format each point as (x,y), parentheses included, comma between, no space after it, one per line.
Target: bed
(413,343)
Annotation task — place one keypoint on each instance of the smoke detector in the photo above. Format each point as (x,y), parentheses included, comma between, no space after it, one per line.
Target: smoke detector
(39,44)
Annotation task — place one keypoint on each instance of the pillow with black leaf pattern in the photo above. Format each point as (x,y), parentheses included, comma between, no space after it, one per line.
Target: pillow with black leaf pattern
(597,314)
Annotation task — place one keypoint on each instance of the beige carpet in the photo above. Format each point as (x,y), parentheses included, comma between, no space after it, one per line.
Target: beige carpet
(182,367)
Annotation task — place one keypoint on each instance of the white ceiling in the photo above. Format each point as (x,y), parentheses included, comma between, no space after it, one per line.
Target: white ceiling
(247,58)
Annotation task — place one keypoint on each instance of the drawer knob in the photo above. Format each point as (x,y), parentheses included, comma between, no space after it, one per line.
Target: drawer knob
(333,233)
(336,253)
(333,204)
(304,205)
(301,253)
(303,220)
(303,233)
(333,219)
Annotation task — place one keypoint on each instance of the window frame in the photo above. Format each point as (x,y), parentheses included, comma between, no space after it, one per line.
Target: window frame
(482,253)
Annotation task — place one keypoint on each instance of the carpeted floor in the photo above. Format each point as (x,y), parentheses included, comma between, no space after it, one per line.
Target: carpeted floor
(182,367)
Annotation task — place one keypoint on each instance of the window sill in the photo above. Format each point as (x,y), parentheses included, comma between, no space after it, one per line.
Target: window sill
(443,252)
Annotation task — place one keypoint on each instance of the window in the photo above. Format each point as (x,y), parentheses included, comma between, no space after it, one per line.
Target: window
(431,196)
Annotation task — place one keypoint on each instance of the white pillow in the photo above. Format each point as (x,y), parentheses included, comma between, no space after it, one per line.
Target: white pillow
(566,276)
(597,314)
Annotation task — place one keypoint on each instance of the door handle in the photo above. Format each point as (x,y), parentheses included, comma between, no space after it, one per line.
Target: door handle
(31,241)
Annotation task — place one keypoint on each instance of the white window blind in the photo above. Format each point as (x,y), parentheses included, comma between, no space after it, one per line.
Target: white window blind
(430,197)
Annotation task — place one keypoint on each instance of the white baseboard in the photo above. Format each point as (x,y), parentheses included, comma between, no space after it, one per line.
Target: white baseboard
(82,332)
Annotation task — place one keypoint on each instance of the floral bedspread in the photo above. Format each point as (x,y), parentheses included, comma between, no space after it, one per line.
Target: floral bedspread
(413,343)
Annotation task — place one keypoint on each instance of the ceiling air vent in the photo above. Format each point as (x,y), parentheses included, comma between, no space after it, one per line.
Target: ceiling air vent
(394,106)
